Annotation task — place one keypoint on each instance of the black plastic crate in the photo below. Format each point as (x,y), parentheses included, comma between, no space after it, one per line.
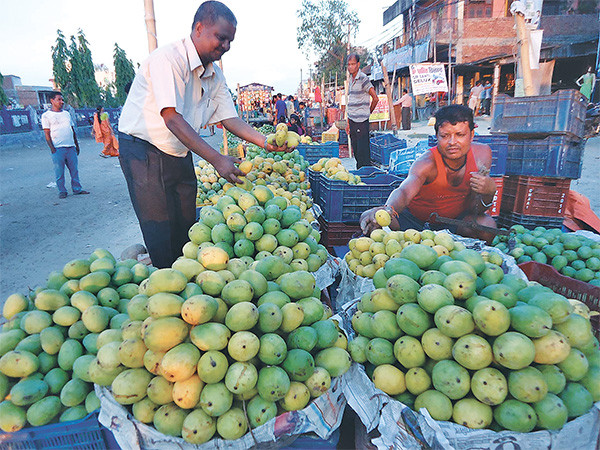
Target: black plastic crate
(343,139)
(552,156)
(343,202)
(498,144)
(507,220)
(382,145)
(560,113)
(335,234)
(314,178)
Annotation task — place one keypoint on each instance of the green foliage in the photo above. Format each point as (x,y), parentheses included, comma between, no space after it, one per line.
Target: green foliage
(323,32)
(73,70)
(124,73)
(61,68)
(108,99)
(3,97)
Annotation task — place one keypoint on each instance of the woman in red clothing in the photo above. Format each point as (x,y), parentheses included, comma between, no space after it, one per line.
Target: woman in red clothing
(451,180)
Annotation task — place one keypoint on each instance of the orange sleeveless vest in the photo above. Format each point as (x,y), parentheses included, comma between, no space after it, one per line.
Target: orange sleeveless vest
(440,196)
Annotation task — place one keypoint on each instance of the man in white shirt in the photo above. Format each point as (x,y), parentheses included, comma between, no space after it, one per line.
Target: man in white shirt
(405,103)
(177,91)
(60,136)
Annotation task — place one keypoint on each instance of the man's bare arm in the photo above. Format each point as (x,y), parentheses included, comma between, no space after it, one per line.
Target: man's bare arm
(225,165)
(400,197)
(374,99)
(241,129)
(49,140)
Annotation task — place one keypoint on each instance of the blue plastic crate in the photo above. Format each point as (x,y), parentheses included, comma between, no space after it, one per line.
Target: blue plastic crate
(401,160)
(313,153)
(315,178)
(343,202)
(560,113)
(553,156)
(84,434)
(382,145)
(499,145)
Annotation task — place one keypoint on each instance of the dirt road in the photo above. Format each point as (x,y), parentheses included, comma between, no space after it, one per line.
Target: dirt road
(40,233)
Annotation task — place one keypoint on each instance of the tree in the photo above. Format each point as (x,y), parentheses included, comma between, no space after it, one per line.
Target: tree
(82,71)
(124,73)
(3,97)
(61,67)
(323,32)
(73,70)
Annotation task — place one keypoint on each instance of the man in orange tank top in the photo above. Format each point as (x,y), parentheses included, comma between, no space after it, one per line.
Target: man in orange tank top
(451,179)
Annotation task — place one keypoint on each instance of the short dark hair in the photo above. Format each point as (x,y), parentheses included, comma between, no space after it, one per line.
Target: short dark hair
(209,12)
(405,91)
(353,56)
(54,94)
(454,114)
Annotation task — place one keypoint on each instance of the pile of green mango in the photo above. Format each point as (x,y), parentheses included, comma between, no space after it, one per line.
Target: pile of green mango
(572,255)
(455,335)
(250,338)
(50,337)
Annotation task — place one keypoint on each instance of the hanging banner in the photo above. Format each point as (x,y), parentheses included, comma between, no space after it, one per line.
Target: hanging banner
(428,78)
(381,113)
(533,13)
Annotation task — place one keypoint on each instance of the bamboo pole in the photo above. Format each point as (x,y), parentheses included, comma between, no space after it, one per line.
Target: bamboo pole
(150,25)
(523,36)
(388,92)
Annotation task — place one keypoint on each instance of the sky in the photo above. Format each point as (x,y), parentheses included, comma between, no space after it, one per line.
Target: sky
(264,50)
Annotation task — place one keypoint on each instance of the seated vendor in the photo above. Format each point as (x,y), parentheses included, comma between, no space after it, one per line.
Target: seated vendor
(451,179)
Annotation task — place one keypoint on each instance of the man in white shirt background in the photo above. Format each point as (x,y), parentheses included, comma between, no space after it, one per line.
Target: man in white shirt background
(177,91)
(60,135)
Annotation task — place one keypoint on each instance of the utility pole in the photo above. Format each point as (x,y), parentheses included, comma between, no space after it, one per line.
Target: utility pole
(150,25)
(523,36)
(412,42)
(346,88)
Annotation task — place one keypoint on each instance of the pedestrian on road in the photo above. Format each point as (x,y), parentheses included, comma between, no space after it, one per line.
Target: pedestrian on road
(405,103)
(103,132)
(362,100)
(289,106)
(59,130)
(487,98)
(474,97)
(281,109)
(177,91)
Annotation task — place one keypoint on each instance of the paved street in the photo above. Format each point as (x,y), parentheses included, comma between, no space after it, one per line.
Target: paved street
(40,233)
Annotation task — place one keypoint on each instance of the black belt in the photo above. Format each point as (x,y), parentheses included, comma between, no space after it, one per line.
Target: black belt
(128,137)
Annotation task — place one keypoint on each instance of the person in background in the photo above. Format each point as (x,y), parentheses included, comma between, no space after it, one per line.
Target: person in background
(103,132)
(296,103)
(586,83)
(474,97)
(451,179)
(295,125)
(362,100)
(280,109)
(178,90)
(487,98)
(405,103)
(303,111)
(289,106)
(59,131)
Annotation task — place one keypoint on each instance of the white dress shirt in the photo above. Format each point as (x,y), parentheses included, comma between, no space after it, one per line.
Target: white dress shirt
(173,76)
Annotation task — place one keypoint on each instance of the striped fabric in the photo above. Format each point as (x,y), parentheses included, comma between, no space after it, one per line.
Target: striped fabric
(359,100)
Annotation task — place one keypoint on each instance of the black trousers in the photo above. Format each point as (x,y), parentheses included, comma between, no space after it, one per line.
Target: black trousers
(361,146)
(162,189)
(406,118)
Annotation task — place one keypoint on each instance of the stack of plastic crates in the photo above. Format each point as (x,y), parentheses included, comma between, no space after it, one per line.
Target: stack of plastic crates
(382,146)
(545,152)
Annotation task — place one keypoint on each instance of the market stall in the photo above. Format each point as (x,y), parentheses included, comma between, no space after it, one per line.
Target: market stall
(254,100)
(281,315)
